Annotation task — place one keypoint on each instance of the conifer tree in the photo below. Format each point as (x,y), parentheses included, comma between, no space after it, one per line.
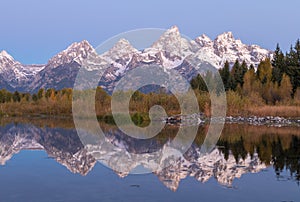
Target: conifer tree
(16,96)
(199,83)
(235,72)
(279,65)
(225,75)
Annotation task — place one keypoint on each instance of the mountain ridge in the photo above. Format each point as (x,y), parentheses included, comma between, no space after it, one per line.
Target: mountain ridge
(169,51)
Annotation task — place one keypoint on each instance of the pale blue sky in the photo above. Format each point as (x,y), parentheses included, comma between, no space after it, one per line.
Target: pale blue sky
(34,30)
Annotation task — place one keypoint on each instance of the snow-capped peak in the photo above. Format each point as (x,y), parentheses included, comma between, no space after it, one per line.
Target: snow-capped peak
(15,73)
(7,62)
(173,29)
(226,48)
(170,41)
(226,36)
(204,37)
(122,50)
(203,40)
(77,52)
(171,35)
(123,46)
(170,50)
(4,54)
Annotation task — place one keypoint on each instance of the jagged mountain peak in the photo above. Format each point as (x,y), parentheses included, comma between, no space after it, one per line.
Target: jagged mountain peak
(170,50)
(8,65)
(173,29)
(124,42)
(171,34)
(123,45)
(121,52)
(173,45)
(226,36)
(16,75)
(203,40)
(5,56)
(3,53)
(168,40)
(78,45)
(204,37)
(228,48)
(77,51)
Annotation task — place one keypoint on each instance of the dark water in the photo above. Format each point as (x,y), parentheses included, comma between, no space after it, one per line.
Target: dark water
(44,160)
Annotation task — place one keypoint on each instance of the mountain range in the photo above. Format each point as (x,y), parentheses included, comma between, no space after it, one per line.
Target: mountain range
(171,51)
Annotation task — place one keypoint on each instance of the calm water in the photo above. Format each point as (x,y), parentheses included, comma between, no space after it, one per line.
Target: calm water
(44,160)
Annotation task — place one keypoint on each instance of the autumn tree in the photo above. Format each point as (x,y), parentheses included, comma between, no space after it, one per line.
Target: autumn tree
(286,89)
(264,71)
(249,80)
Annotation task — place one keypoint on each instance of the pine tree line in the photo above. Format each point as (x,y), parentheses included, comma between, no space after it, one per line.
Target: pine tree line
(289,64)
(276,81)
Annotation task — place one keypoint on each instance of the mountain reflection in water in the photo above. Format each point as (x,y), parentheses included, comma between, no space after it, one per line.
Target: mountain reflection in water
(241,149)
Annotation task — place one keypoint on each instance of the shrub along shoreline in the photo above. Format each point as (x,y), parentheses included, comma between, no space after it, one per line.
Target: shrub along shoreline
(52,103)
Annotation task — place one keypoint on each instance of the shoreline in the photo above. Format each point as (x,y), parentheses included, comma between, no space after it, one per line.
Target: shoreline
(198,119)
(193,119)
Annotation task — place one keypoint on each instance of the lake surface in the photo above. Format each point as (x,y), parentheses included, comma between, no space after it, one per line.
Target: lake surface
(44,160)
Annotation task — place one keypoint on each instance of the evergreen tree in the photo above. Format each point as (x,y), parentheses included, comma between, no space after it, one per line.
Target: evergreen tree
(297,50)
(40,93)
(199,83)
(294,73)
(16,96)
(2,97)
(293,66)
(291,58)
(279,65)
(235,71)
(243,70)
(34,97)
(225,75)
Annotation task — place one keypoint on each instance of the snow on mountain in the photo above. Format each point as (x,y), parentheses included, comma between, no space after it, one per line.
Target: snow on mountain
(204,41)
(120,55)
(169,42)
(77,52)
(5,56)
(170,51)
(14,73)
(9,64)
(122,50)
(226,47)
(171,48)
